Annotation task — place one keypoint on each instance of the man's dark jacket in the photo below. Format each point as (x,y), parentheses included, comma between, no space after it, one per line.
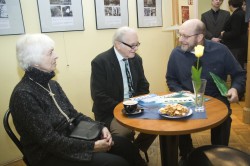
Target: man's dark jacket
(214,27)
(107,83)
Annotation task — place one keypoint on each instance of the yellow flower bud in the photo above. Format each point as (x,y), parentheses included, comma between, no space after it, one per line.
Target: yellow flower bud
(198,51)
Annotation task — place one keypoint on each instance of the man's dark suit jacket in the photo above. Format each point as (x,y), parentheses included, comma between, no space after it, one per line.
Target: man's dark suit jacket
(214,27)
(107,83)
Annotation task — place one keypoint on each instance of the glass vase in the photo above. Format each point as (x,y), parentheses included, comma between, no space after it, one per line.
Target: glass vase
(199,91)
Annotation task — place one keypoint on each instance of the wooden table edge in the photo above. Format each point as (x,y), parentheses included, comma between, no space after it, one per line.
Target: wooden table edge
(118,114)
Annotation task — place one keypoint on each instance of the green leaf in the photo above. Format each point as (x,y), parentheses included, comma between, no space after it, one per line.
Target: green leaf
(220,83)
(196,74)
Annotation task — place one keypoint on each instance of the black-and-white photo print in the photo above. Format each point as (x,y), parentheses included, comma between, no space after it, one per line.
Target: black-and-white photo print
(3,9)
(149,8)
(112,7)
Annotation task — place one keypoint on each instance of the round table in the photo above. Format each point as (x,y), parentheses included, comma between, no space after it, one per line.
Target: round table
(169,130)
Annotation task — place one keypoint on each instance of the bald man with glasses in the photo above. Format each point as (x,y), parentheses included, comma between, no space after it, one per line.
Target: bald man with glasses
(217,59)
(117,75)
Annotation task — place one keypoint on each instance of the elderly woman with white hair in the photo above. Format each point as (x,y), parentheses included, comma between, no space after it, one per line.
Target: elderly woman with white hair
(39,106)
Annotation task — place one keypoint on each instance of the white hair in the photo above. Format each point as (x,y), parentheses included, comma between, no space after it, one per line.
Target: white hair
(31,47)
(121,32)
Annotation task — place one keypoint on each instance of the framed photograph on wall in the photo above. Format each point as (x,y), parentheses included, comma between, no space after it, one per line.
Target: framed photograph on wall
(11,18)
(60,15)
(111,13)
(184,13)
(149,13)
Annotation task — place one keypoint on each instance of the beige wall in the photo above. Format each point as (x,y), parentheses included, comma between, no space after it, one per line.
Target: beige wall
(77,49)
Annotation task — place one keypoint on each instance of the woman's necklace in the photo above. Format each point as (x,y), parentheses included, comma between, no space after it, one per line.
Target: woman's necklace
(49,91)
(52,95)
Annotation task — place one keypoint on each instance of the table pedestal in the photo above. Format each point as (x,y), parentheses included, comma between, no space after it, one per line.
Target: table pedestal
(169,150)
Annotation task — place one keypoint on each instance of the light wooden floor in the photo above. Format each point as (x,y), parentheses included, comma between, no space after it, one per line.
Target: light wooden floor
(239,138)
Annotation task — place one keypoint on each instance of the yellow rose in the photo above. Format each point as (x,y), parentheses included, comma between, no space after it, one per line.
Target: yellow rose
(198,51)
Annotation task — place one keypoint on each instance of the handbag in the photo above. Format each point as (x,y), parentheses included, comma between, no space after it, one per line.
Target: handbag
(87,130)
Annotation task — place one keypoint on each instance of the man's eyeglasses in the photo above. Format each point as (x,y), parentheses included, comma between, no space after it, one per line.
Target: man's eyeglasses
(186,36)
(131,46)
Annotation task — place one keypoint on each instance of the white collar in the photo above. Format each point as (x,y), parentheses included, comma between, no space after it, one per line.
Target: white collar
(118,55)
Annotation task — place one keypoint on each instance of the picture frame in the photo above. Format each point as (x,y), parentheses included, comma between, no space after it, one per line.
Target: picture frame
(60,15)
(11,18)
(185,14)
(149,13)
(111,14)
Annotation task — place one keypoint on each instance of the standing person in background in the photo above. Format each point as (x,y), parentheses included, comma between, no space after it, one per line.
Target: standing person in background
(215,20)
(217,59)
(234,35)
(111,85)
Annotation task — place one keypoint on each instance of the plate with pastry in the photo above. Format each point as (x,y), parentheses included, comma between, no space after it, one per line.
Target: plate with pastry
(175,111)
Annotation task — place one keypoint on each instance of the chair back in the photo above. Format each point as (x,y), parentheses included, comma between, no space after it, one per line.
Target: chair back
(12,135)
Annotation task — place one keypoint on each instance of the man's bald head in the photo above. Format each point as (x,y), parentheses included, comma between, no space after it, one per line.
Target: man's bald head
(193,26)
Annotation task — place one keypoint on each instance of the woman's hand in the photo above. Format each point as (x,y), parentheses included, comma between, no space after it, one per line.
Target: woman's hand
(106,135)
(102,146)
(105,143)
